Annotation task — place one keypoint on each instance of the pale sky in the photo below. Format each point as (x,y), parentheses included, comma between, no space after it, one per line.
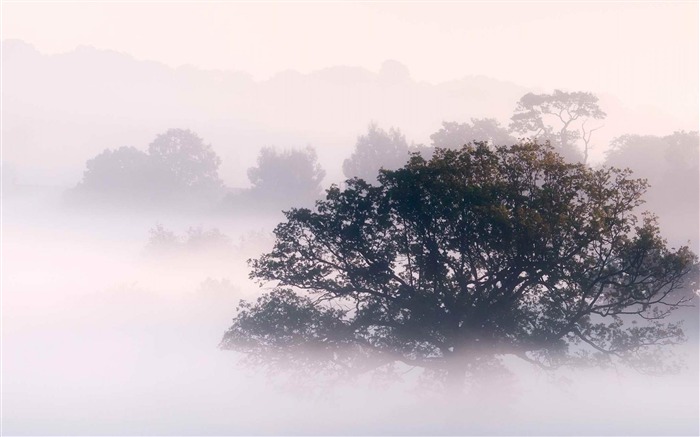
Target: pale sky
(642,53)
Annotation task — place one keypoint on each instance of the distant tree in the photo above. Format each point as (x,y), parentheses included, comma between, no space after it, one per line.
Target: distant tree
(450,263)
(375,150)
(162,241)
(199,239)
(671,165)
(282,179)
(562,118)
(177,167)
(185,160)
(454,135)
(644,154)
(684,150)
(218,290)
(125,172)
(656,158)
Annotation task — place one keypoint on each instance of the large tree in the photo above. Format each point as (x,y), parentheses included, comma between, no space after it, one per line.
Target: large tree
(459,260)
(563,118)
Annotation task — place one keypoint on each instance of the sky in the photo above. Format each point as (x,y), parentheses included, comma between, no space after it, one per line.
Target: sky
(644,53)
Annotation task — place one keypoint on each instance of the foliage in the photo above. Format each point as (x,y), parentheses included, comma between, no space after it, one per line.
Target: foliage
(177,167)
(185,159)
(218,291)
(455,261)
(199,239)
(123,172)
(163,241)
(655,158)
(559,118)
(281,179)
(376,150)
(294,174)
(454,135)
(671,164)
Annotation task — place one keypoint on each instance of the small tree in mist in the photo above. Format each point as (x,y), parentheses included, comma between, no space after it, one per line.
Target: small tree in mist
(671,164)
(454,135)
(375,150)
(185,160)
(563,118)
(163,241)
(281,179)
(178,167)
(454,262)
(123,173)
(291,174)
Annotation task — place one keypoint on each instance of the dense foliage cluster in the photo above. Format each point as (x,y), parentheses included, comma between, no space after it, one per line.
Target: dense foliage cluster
(178,166)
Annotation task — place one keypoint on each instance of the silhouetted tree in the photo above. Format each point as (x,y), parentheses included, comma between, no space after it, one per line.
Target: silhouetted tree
(561,118)
(293,174)
(163,241)
(375,150)
(672,158)
(282,179)
(178,167)
(454,135)
(458,260)
(207,240)
(125,173)
(185,160)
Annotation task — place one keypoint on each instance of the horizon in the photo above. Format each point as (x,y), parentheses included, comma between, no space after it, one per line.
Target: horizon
(620,56)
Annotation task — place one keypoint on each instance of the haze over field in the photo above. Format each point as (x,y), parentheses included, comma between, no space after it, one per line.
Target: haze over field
(148,150)
(69,106)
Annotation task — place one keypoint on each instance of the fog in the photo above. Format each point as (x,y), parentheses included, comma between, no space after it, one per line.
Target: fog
(101,336)
(135,190)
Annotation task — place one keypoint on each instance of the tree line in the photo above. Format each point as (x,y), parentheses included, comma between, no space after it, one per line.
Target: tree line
(180,168)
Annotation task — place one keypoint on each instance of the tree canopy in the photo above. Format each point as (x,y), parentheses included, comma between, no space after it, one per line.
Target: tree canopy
(123,172)
(185,159)
(375,150)
(281,179)
(291,174)
(454,135)
(178,166)
(469,256)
